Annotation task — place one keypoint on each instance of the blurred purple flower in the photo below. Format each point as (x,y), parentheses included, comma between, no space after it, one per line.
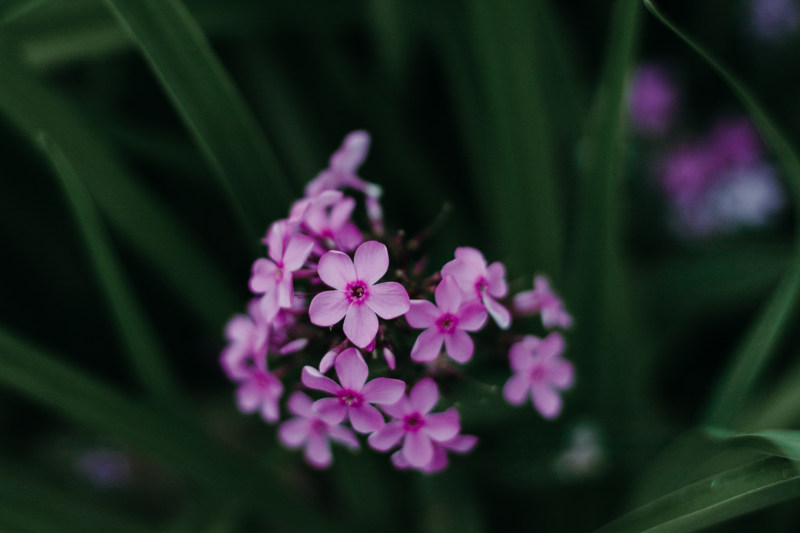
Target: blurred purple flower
(104,468)
(652,99)
(773,20)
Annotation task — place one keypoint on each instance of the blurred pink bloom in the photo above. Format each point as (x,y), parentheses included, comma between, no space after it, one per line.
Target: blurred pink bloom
(353,398)
(447,323)
(539,370)
(543,300)
(774,20)
(652,99)
(460,444)
(479,281)
(416,425)
(343,166)
(260,391)
(248,339)
(357,298)
(331,223)
(734,143)
(308,429)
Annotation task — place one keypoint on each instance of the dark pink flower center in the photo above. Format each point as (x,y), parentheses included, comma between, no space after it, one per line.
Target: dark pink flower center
(350,398)
(481,285)
(447,323)
(262,379)
(357,292)
(413,422)
(319,427)
(537,374)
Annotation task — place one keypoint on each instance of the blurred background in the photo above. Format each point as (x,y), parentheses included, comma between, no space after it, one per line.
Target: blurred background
(585,141)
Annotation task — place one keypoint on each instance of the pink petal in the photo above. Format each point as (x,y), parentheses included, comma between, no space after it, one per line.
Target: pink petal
(318,451)
(388,300)
(551,346)
(424,395)
(556,316)
(546,400)
(352,152)
(360,325)
(448,295)
(472,316)
(388,355)
(312,379)
(438,462)
(520,354)
(464,274)
(297,252)
(386,437)
(351,369)
(500,314)
(399,461)
(383,390)
(248,397)
(293,346)
(399,409)
(422,314)
(516,389)
(348,237)
(371,261)
(428,345)
(459,345)
(341,211)
(461,443)
(496,276)
(299,404)
(327,361)
(366,418)
(561,374)
(269,306)
(284,291)
(442,426)
(417,449)
(331,410)
(344,436)
(269,409)
(327,308)
(472,257)
(294,432)
(275,239)
(262,278)
(336,269)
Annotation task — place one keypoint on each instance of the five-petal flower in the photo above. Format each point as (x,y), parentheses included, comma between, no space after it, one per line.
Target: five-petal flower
(481,281)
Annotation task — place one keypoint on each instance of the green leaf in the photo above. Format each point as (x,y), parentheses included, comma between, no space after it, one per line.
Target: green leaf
(777,442)
(714,499)
(142,219)
(761,340)
(210,106)
(145,353)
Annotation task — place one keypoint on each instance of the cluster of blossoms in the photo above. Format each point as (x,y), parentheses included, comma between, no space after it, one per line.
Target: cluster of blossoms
(399,327)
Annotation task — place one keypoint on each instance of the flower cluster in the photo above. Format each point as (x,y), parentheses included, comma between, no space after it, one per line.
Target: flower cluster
(323,269)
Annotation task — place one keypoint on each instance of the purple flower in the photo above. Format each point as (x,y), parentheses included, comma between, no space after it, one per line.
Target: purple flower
(734,143)
(543,300)
(342,167)
(357,298)
(308,429)
(353,398)
(479,281)
(416,425)
(248,340)
(539,369)
(331,223)
(446,322)
(460,444)
(260,391)
(652,99)
(774,20)
(273,277)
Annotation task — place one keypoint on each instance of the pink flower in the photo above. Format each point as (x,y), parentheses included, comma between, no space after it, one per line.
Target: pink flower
(357,299)
(331,223)
(309,430)
(273,277)
(342,167)
(260,391)
(652,99)
(543,300)
(353,398)
(460,444)
(486,283)
(416,425)
(447,323)
(248,340)
(539,369)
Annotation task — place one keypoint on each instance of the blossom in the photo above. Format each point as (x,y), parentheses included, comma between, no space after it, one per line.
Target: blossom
(539,369)
(460,444)
(353,395)
(416,425)
(308,429)
(446,322)
(260,391)
(543,300)
(485,283)
(652,99)
(248,340)
(273,277)
(331,223)
(357,298)
(773,20)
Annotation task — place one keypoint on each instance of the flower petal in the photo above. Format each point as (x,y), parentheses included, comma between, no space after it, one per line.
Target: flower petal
(520,355)
(313,379)
(422,314)
(500,314)
(348,237)
(448,295)
(442,426)
(417,449)
(399,409)
(383,390)
(360,325)
(342,435)
(371,261)
(336,269)
(294,432)
(561,374)
(262,277)
(300,404)
(424,395)
(551,346)
(341,211)
(461,443)
(388,300)
(331,410)
(351,369)
(327,308)
(318,451)
(472,316)
(297,252)
(352,152)
(459,345)
(428,345)
(546,400)
(366,418)
(496,276)
(386,437)
(516,389)
(327,361)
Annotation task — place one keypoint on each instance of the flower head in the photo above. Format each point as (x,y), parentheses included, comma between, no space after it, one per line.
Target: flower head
(260,391)
(543,300)
(357,298)
(353,395)
(539,370)
(308,429)
(479,281)
(652,99)
(331,223)
(447,323)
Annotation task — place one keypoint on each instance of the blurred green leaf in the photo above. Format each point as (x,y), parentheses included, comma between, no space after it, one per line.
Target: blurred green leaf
(715,499)
(761,340)
(146,355)
(144,221)
(13,9)
(777,442)
(777,405)
(210,105)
